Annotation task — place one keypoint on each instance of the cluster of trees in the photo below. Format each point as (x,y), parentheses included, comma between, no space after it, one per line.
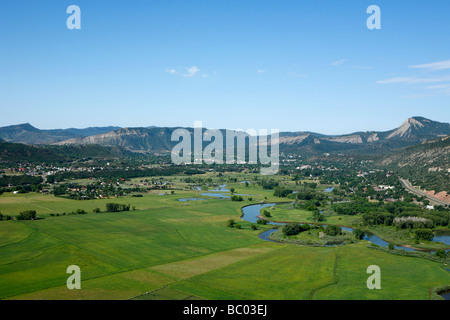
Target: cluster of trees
(317,216)
(91,191)
(20,183)
(4,217)
(262,221)
(117,207)
(268,184)
(20,180)
(309,195)
(78,211)
(407,220)
(332,230)
(236,198)
(27,215)
(412,223)
(399,214)
(282,192)
(117,174)
(294,228)
(423,234)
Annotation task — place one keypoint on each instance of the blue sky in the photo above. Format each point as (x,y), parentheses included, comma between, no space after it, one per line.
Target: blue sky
(287,65)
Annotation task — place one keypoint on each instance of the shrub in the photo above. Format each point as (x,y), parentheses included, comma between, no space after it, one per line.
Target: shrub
(441,254)
(424,234)
(230,223)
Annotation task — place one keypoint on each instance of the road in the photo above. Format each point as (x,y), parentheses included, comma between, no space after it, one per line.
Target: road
(433,200)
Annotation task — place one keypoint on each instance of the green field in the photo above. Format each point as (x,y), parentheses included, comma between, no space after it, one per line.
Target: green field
(168,249)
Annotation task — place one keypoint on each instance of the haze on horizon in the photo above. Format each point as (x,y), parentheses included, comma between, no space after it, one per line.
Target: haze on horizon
(309,66)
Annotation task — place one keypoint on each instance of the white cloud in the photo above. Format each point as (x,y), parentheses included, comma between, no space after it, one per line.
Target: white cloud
(261,71)
(413,80)
(190,72)
(338,63)
(441,65)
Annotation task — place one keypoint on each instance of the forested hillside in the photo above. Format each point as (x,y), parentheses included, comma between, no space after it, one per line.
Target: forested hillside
(426,164)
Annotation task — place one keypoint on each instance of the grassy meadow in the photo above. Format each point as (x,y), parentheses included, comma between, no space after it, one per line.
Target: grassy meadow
(169,249)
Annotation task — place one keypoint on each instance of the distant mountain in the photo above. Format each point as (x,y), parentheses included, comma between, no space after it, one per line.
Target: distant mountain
(27,134)
(158,139)
(87,131)
(412,131)
(149,139)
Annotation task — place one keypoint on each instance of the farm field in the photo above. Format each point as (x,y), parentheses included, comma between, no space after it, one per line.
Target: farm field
(171,249)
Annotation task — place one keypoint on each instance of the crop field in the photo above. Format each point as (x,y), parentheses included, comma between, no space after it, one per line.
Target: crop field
(170,249)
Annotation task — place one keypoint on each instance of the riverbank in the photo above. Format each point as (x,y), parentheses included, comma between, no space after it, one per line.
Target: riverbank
(382,235)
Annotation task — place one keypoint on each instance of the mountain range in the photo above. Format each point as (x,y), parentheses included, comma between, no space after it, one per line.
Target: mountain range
(27,134)
(158,139)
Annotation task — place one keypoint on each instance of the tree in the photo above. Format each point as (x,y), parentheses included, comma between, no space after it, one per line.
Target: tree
(237,198)
(332,230)
(423,234)
(291,229)
(261,221)
(317,216)
(266,214)
(116,207)
(281,192)
(441,253)
(359,234)
(27,215)
(4,217)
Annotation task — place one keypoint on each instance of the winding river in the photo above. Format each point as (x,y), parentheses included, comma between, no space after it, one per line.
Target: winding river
(250,213)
